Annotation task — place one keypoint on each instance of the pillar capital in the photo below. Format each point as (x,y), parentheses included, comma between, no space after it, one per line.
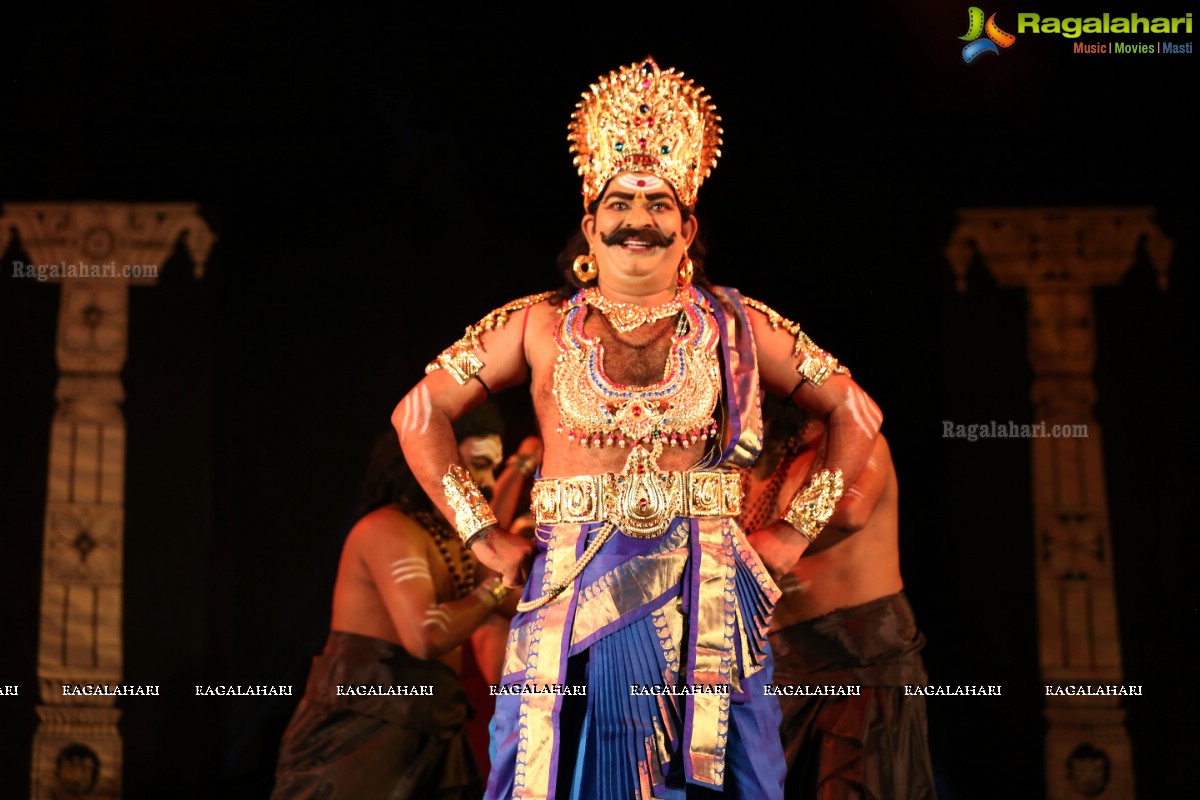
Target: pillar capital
(1032,247)
(141,234)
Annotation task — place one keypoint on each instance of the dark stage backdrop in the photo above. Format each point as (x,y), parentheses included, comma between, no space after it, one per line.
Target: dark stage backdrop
(380,180)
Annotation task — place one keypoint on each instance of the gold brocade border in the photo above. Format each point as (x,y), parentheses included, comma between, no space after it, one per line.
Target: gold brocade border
(749,664)
(536,735)
(668,626)
(728,672)
(715,619)
(750,442)
(741,376)
(516,652)
(631,585)
(770,592)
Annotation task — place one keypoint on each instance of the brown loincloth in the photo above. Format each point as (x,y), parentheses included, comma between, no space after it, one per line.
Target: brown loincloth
(377,747)
(873,745)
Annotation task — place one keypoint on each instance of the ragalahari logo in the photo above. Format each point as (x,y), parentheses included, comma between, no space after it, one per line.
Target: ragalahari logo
(976,27)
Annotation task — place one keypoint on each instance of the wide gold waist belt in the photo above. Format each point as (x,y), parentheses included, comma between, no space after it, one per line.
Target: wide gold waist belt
(641,503)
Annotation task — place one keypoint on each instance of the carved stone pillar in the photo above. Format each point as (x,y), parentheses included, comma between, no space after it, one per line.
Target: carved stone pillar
(1057,256)
(95,251)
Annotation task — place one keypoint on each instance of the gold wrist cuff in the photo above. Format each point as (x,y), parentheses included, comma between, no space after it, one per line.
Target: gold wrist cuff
(472,514)
(813,505)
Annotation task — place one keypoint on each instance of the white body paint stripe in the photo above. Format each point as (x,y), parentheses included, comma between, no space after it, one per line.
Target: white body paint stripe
(866,414)
(408,412)
(408,569)
(418,410)
(426,408)
(437,616)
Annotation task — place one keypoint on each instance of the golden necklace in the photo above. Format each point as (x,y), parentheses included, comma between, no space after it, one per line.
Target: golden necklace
(625,317)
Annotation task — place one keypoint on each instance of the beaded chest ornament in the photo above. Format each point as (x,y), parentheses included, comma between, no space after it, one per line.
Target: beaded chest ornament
(677,411)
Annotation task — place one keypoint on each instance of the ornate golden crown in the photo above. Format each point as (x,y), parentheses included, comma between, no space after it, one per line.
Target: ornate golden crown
(643,119)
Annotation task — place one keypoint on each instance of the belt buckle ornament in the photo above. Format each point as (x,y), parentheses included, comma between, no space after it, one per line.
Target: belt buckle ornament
(647,498)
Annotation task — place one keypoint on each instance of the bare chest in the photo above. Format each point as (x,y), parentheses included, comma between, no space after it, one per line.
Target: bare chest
(638,358)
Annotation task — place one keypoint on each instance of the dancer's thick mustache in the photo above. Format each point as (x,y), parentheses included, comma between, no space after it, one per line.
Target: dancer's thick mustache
(650,236)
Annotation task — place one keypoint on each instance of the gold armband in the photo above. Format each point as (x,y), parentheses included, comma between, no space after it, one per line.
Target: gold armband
(472,514)
(492,590)
(813,505)
(459,359)
(814,364)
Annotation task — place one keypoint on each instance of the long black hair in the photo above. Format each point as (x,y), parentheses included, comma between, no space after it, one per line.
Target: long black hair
(390,480)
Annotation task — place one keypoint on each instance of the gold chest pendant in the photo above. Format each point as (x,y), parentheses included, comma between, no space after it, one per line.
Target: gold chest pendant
(677,411)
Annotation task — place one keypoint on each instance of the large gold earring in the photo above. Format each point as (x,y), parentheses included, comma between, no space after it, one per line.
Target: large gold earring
(686,269)
(585,268)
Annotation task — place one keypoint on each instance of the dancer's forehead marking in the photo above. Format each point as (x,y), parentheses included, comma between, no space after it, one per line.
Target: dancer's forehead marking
(640,183)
